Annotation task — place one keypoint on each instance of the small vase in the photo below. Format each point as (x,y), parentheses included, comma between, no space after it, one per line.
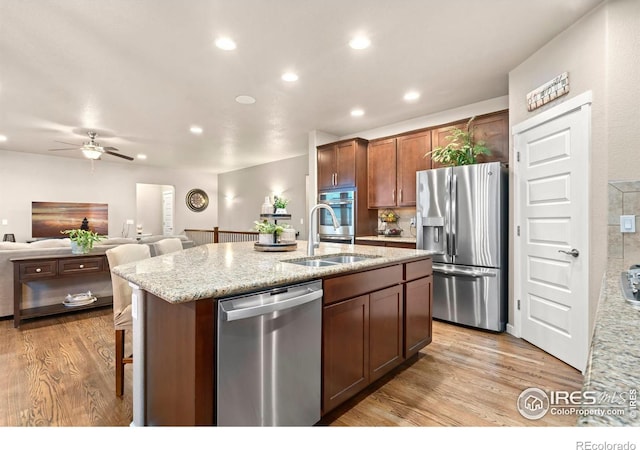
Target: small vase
(77,249)
(266,239)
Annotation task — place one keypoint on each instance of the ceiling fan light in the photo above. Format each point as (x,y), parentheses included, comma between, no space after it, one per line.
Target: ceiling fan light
(91,153)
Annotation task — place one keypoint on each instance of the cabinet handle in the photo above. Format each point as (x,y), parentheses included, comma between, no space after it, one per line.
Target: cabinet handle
(401,195)
(393,195)
(335,179)
(38,270)
(82,266)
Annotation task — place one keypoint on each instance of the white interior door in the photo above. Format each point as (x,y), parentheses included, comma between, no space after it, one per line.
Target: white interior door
(552,253)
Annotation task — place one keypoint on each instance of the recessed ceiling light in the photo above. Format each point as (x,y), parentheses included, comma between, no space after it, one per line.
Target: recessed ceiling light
(411,95)
(3,138)
(357,112)
(141,156)
(289,76)
(359,42)
(225,43)
(195,130)
(245,99)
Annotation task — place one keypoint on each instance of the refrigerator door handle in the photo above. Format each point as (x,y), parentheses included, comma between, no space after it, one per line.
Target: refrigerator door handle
(454,214)
(447,216)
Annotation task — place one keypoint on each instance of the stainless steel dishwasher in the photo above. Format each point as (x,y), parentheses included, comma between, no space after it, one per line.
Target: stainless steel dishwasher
(268,357)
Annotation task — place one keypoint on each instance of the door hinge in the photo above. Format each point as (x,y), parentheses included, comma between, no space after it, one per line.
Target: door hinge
(518,156)
(518,304)
(518,230)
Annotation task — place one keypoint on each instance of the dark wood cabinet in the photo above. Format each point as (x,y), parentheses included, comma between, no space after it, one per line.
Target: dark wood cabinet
(386,315)
(337,164)
(418,312)
(345,341)
(412,157)
(391,168)
(492,128)
(366,323)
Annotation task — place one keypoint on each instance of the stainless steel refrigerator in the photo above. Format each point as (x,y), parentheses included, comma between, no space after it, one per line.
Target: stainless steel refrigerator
(462,216)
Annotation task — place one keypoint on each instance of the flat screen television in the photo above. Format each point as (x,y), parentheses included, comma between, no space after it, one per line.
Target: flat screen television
(48,219)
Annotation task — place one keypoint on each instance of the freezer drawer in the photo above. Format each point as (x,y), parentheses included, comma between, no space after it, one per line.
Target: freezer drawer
(469,296)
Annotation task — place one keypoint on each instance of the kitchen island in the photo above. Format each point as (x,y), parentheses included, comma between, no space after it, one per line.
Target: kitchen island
(174,308)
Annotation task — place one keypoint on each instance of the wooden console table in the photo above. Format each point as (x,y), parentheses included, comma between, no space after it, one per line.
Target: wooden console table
(54,267)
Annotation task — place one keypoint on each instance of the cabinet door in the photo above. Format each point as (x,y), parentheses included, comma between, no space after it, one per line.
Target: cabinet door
(411,150)
(381,173)
(386,320)
(345,165)
(439,138)
(345,350)
(326,167)
(418,315)
(494,131)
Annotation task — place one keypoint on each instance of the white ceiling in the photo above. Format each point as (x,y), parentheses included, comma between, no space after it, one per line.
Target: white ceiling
(142,72)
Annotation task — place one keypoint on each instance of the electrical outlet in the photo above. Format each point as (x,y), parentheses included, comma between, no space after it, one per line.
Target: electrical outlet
(129,221)
(5,222)
(413,222)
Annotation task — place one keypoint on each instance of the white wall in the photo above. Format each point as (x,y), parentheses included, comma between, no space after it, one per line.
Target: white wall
(149,208)
(242,192)
(623,89)
(29,177)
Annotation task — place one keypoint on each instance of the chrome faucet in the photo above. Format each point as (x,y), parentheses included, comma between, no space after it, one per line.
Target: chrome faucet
(311,245)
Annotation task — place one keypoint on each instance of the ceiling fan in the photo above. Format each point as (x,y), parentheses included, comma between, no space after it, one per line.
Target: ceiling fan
(92,149)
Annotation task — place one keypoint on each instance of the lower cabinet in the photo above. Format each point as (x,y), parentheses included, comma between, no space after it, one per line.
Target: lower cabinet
(367,334)
(345,342)
(418,298)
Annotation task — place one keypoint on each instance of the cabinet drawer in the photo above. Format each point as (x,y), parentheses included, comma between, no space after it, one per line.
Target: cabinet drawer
(417,269)
(347,286)
(39,269)
(81,265)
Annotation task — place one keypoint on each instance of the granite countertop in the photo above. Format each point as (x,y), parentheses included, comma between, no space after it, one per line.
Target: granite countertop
(613,369)
(410,239)
(218,270)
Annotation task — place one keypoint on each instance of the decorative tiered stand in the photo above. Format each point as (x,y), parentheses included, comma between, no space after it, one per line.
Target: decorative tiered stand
(276,246)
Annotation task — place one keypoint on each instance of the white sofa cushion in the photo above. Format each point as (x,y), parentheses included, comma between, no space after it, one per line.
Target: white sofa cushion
(51,243)
(14,246)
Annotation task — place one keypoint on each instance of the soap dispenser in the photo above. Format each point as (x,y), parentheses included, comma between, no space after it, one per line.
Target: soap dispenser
(267,206)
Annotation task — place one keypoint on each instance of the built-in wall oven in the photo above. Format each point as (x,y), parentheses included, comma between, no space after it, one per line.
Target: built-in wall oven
(343,204)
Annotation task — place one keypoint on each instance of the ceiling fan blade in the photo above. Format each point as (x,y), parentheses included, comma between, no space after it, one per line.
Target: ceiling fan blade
(118,155)
(58,149)
(112,149)
(67,143)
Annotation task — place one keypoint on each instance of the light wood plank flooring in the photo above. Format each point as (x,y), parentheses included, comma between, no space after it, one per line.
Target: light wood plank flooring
(59,372)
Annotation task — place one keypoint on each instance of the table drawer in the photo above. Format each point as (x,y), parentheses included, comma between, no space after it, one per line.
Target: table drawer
(81,265)
(37,269)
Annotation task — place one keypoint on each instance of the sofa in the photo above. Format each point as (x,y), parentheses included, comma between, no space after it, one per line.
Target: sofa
(47,292)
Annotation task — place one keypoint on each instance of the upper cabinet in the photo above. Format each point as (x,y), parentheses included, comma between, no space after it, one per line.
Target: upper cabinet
(493,129)
(337,163)
(391,168)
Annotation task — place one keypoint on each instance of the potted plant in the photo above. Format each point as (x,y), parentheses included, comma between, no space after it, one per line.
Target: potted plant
(82,240)
(268,231)
(461,149)
(280,205)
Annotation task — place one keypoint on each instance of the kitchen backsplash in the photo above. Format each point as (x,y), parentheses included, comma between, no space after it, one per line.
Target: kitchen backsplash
(405,214)
(624,199)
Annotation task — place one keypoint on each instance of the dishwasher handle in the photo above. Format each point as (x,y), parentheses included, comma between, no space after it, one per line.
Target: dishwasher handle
(254,311)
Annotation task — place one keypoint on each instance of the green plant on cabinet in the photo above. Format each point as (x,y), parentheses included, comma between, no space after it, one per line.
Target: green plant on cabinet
(83,239)
(461,149)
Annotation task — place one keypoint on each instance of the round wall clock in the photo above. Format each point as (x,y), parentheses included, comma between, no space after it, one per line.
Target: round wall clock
(197,200)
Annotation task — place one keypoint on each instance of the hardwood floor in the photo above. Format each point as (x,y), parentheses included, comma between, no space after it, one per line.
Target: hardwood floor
(60,372)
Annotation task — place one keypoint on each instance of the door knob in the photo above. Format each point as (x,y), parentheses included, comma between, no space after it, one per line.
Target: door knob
(573,252)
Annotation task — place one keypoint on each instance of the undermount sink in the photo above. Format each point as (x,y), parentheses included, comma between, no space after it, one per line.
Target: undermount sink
(329,260)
